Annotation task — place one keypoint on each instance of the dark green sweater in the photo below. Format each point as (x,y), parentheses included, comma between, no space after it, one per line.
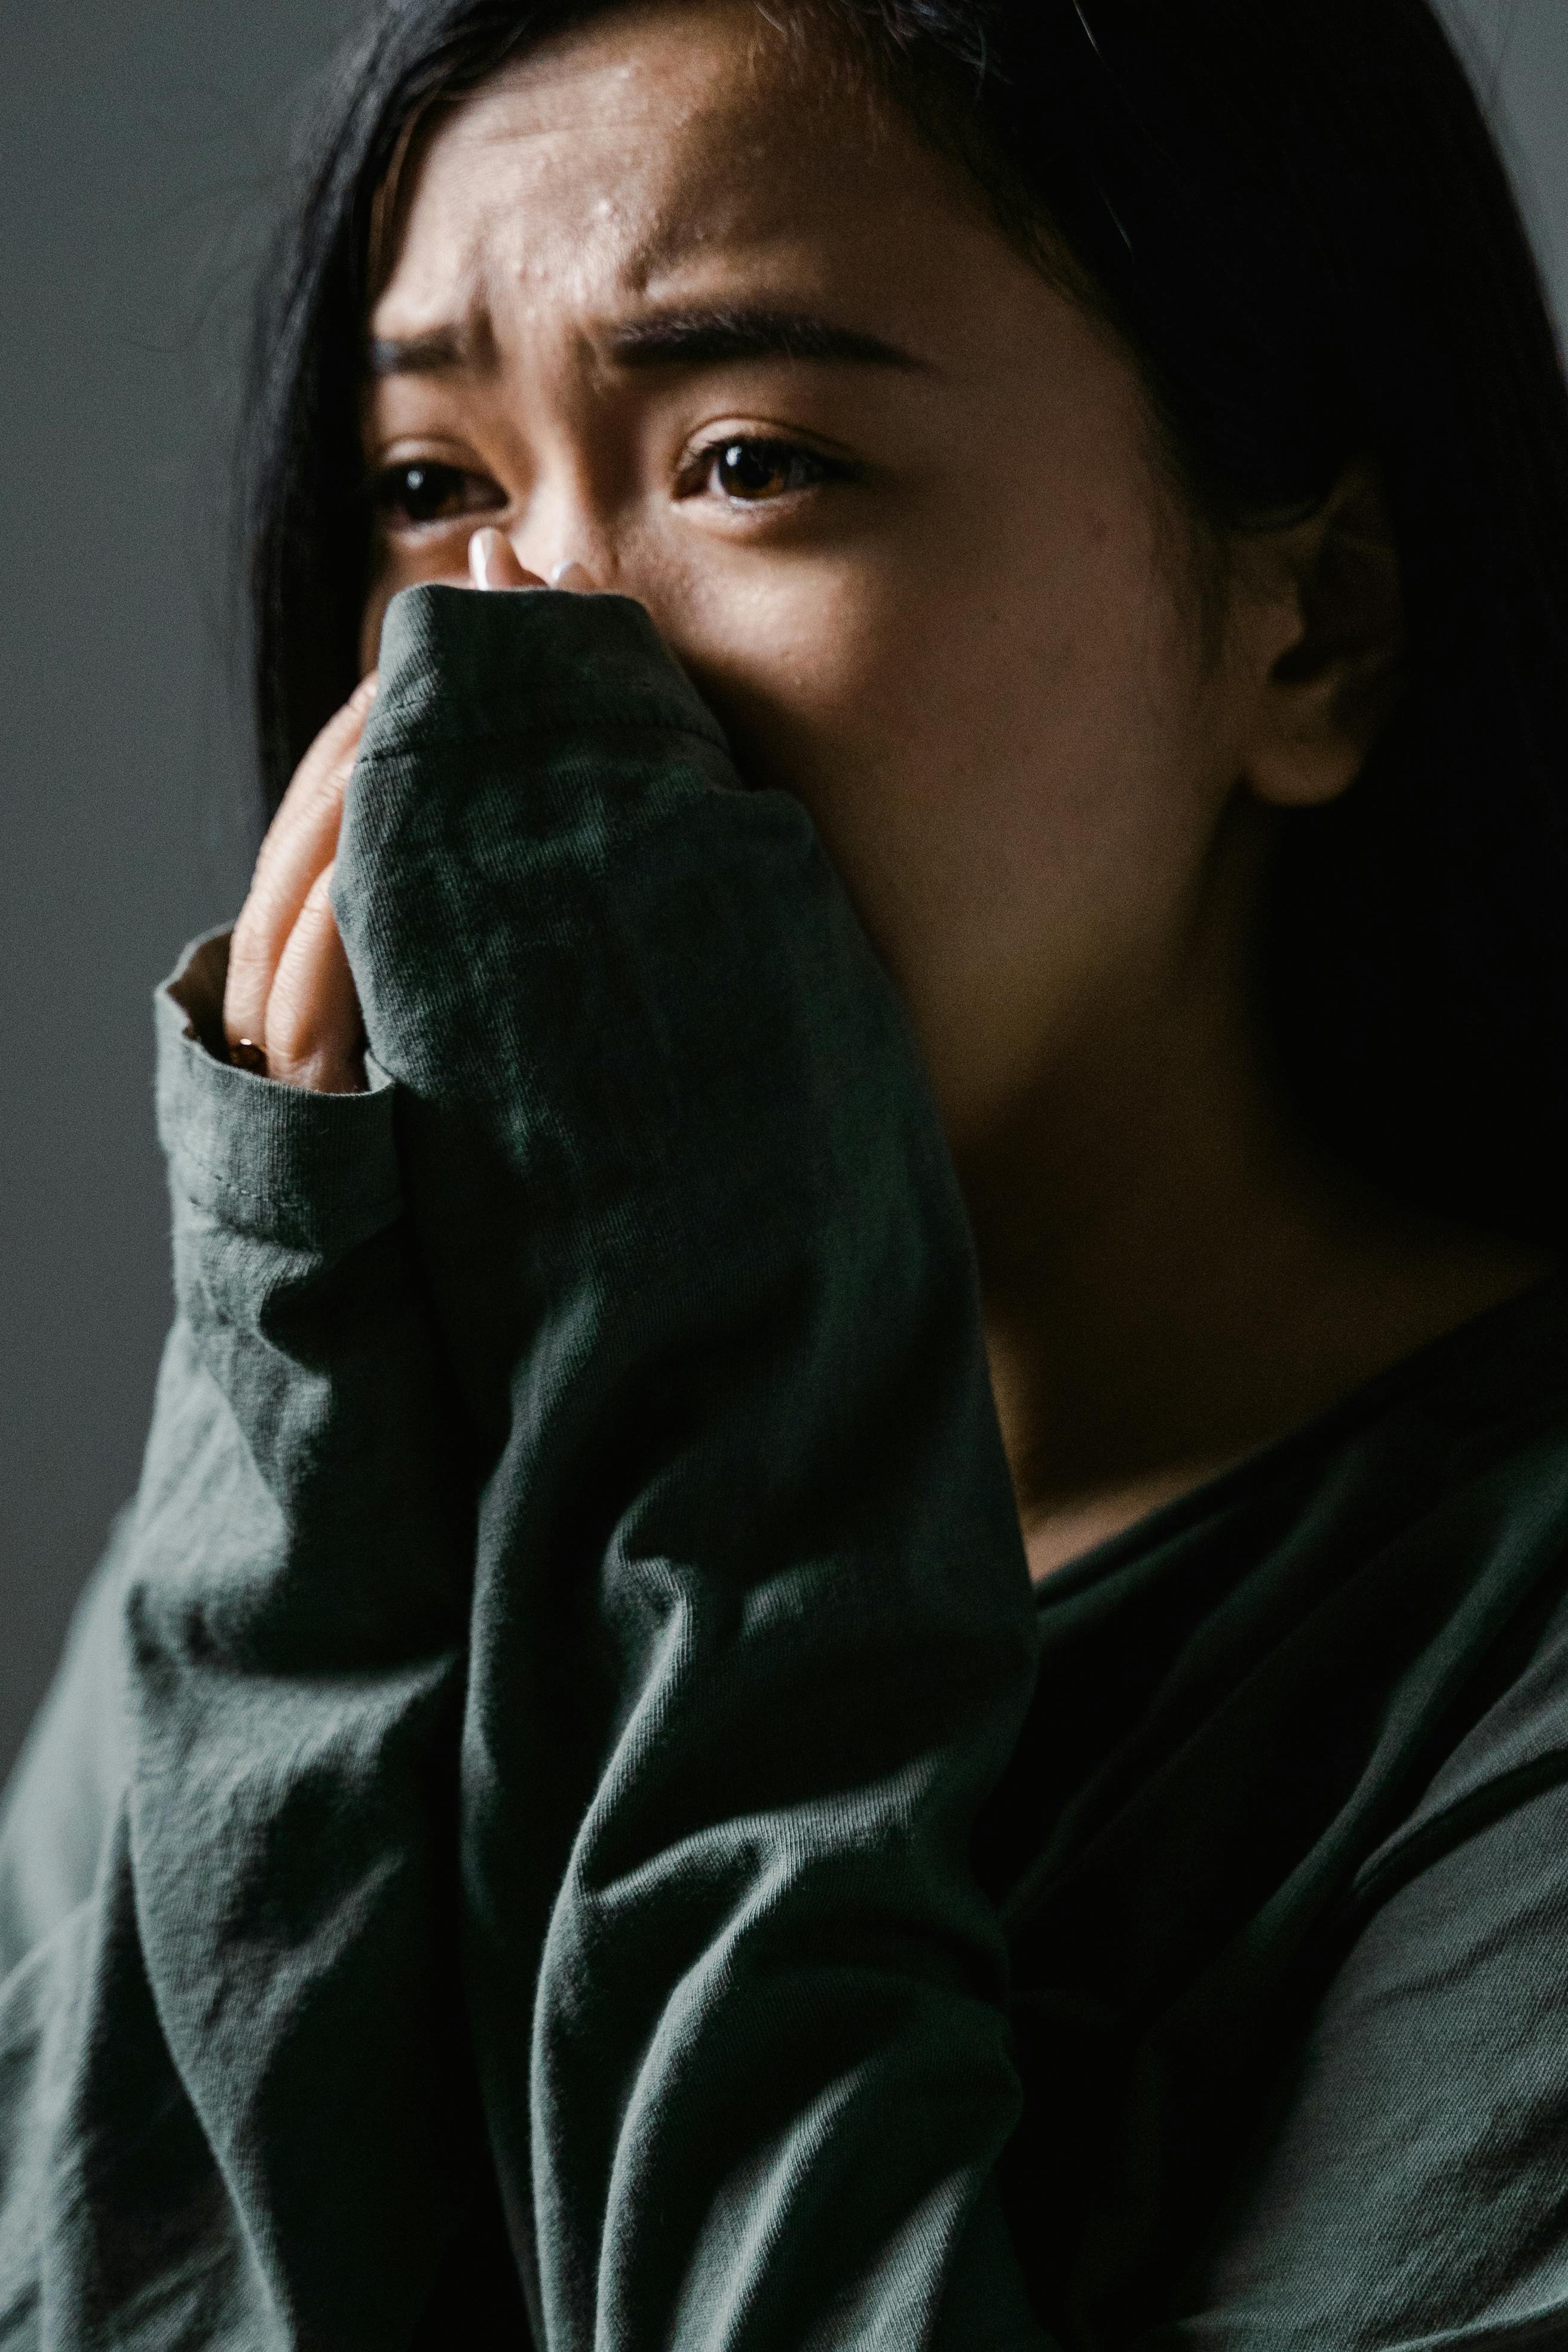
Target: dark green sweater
(566,1715)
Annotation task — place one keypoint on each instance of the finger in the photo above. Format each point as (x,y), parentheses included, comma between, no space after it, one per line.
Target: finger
(572,576)
(493,561)
(315,1035)
(300,841)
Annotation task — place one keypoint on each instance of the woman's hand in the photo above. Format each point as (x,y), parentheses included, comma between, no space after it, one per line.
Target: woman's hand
(290,996)
(289,1007)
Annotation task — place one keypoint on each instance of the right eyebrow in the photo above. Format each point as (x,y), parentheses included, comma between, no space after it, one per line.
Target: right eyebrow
(443,351)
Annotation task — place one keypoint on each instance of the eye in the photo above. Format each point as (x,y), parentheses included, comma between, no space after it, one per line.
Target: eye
(749,473)
(424,491)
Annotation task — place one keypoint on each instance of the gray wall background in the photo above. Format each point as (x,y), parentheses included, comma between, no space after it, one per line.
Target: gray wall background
(140,150)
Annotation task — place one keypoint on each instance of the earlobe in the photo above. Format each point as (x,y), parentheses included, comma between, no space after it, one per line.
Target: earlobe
(1330,671)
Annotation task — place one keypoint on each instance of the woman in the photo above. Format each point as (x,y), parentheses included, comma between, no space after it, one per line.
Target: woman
(845,1626)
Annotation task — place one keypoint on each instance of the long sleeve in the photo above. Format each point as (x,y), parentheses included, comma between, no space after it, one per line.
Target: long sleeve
(232,2054)
(751,1633)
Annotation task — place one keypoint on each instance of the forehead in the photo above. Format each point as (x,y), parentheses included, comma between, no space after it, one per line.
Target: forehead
(659,141)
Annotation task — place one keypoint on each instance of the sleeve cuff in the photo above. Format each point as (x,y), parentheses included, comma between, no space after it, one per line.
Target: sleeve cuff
(308,1170)
(564,663)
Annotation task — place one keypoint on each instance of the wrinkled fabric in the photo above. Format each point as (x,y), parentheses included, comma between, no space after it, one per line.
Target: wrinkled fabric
(702,1269)
(268,1679)
(561,1819)
(1282,1856)
(556,1445)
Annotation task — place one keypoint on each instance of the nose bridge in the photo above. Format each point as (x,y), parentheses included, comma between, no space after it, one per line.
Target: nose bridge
(557,525)
(567,514)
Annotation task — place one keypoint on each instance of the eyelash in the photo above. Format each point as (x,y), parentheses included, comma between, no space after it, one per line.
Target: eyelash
(704,461)
(391,492)
(393,479)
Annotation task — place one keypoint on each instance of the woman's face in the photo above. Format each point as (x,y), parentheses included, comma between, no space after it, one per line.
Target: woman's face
(664,302)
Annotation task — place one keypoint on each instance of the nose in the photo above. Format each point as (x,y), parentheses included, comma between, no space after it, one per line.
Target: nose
(558,531)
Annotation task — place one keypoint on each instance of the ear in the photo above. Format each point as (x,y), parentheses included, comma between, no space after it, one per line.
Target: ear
(1322,623)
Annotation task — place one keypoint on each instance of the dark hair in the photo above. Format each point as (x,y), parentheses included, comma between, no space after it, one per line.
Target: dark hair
(1296,214)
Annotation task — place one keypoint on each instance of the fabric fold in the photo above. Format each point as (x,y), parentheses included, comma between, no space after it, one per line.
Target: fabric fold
(753,1631)
(237,2111)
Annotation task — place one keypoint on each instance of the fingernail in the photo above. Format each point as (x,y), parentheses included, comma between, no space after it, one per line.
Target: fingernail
(572,576)
(484,558)
(366,691)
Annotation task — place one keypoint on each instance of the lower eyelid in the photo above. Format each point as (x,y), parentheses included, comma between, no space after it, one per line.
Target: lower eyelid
(397,526)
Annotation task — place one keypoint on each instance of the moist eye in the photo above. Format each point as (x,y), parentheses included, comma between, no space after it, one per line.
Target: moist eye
(751,471)
(424,491)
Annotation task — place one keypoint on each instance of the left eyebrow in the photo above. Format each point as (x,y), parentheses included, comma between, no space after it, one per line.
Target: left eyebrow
(710,338)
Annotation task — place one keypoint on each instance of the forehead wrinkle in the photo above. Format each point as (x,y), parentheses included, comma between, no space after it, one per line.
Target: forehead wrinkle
(434,284)
(666,243)
(639,218)
(708,153)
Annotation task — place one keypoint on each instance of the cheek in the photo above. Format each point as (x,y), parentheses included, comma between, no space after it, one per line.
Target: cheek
(444,559)
(385,583)
(1005,755)
(370,630)
(1004,765)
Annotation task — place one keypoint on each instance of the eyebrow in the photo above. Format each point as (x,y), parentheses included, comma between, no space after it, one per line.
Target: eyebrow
(693,338)
(443,351)
(702,338)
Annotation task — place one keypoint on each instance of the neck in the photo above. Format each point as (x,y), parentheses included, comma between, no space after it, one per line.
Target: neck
(1172,1276)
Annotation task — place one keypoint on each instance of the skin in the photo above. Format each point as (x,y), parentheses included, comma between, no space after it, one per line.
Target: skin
(953,603)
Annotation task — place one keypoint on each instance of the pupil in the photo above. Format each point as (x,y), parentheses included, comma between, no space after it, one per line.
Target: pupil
(752,467)
(424,491)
